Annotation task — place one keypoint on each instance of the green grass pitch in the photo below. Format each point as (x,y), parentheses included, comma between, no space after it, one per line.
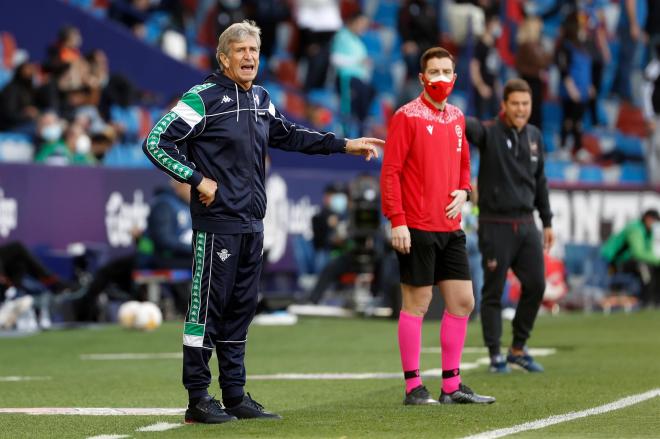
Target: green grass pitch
(599,359)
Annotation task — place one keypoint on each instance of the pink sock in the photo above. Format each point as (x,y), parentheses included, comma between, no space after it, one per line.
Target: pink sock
(410,346)
(452,339)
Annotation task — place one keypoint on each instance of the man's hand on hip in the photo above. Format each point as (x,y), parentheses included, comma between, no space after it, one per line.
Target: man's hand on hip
(364,146)
(401,239)
(207,189)
(455,207)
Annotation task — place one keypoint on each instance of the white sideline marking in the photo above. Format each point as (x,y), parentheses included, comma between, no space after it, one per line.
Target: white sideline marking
(133,356)
(160,426)
(325,376)
(557,419)
(109,436)
(95,411)
(22,378)
(540,352)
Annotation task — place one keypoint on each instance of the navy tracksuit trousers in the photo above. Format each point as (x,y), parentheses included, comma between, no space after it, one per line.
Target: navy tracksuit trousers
(223,300)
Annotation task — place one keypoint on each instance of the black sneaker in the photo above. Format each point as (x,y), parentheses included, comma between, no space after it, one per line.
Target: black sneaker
(250,409)
(419,396)
(464,395)
(207,411)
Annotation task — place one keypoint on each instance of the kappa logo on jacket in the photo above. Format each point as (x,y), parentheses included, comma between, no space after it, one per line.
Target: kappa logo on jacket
(226,99)
(429,128)
(223,254)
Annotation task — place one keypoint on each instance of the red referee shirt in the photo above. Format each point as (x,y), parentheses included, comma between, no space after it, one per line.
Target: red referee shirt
(426,158)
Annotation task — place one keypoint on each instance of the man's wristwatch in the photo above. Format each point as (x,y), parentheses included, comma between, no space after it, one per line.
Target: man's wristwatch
(468,192)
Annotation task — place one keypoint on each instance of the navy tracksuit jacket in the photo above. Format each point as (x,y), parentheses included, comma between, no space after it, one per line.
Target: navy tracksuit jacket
(226,131)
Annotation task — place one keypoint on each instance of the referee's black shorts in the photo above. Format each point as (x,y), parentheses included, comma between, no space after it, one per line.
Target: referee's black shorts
(434,257)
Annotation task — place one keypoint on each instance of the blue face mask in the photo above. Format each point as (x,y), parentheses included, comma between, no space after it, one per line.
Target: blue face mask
(339,203)
(51,133)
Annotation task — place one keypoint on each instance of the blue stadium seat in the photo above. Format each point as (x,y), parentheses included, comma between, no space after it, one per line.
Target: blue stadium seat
(555,170)
(551,116)
(549,140)
(629,146)
(591,174)
(633,173)
(126,156)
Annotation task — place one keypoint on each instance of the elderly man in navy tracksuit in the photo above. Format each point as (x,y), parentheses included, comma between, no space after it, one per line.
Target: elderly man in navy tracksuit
(227,123)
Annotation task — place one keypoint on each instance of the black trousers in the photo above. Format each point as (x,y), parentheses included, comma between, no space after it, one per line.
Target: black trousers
(515,245)
(16,262)
(649,279)
(118,272)
(223,301)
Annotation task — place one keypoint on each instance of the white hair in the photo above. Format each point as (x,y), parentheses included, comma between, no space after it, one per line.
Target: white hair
(237,32)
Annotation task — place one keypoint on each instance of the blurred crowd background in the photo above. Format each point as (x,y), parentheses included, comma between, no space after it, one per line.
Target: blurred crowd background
(339,65)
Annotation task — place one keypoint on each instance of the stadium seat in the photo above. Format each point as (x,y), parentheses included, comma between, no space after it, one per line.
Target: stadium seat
(555,170)
(16,148)
(630,147)
(633,173)
(591,174)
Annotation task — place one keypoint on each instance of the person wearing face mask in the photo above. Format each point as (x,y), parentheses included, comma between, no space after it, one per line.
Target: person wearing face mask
(75,149)
(227,125)
(485,70)
(512,184)
(325,225)
(425,180)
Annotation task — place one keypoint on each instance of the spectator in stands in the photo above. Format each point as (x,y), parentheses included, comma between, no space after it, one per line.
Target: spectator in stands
(512,185)
(65,51)
(593,13)
(632,250)
(485,70)
(318,21)
(651,108)
(17,264)
(18,104)
(75,149)
(350,58)
(576,89)
(329,225)
(269,14)
(165,244)
(102,142)
(418,27)
(50,129)
(532,60)
(630,34)
(132,14)
(22,275)
(653,22)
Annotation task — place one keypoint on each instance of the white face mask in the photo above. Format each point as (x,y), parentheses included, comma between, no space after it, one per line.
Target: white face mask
(83,144)
(51,132)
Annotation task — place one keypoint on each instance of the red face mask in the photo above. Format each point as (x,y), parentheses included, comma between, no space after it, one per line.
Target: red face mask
(439,89)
